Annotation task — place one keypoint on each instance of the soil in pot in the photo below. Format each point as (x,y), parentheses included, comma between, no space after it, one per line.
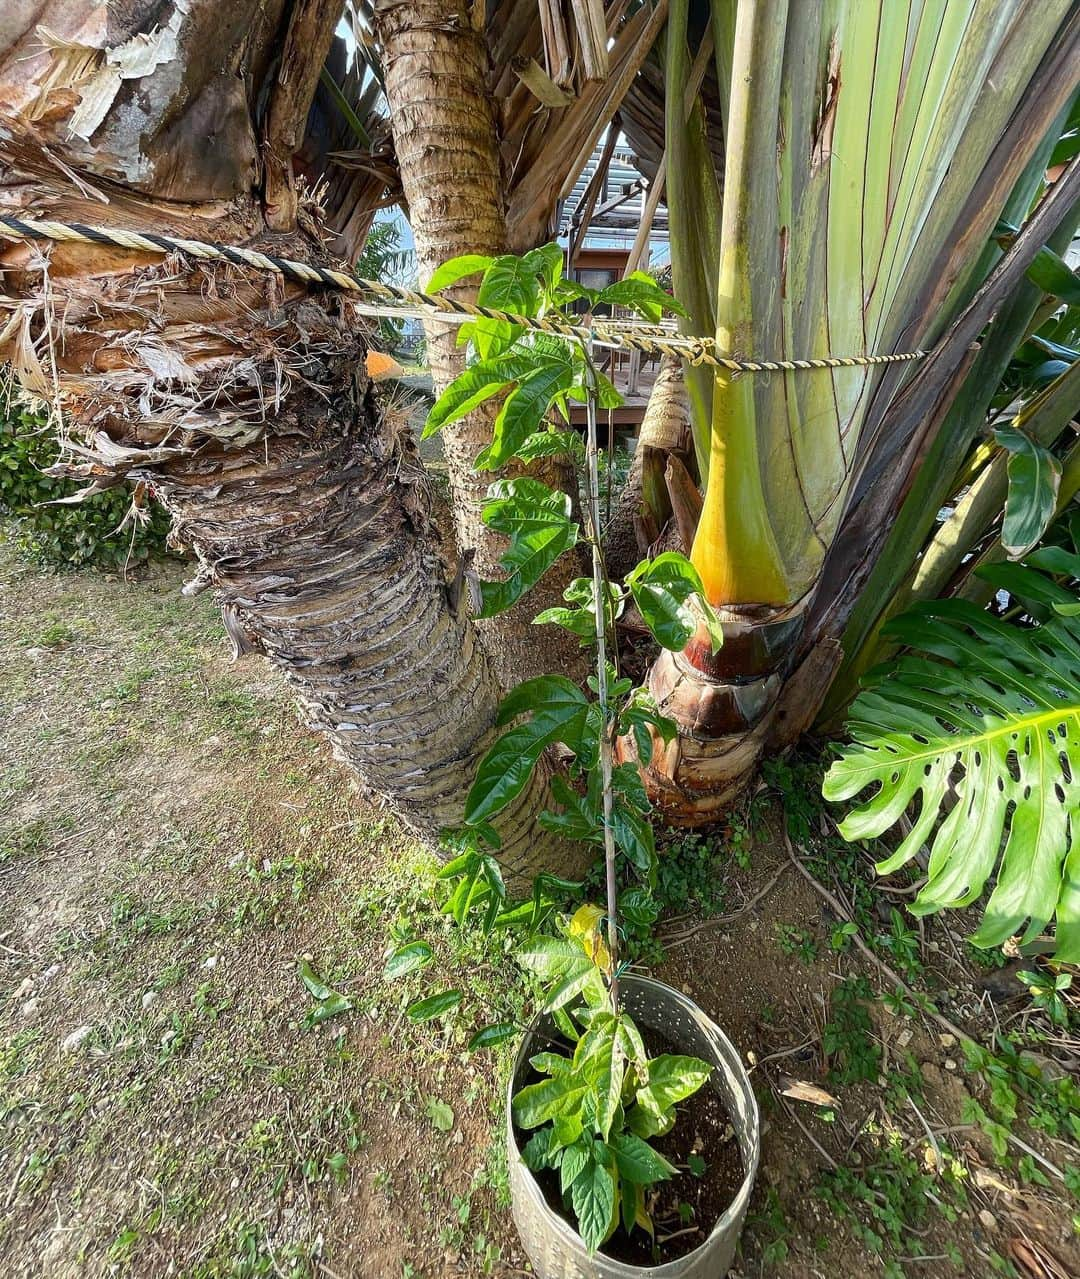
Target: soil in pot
(684,1209)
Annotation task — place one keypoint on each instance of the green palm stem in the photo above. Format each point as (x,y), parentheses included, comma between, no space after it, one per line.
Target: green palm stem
(694,213)
(820,254)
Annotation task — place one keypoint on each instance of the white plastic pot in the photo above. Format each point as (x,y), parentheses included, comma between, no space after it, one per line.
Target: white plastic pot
(555,1249)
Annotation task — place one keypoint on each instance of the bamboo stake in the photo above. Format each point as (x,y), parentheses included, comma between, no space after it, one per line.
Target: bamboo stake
(600,605)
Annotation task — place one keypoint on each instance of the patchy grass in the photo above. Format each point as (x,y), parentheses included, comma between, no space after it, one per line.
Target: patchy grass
(173,845)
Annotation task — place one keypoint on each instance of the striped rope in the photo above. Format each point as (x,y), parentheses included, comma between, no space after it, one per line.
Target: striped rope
(380,298)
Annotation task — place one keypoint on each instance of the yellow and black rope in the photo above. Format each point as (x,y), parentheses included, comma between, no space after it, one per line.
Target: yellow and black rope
(652,340)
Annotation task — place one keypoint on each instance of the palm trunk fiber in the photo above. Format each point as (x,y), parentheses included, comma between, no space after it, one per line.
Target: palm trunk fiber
(241,402)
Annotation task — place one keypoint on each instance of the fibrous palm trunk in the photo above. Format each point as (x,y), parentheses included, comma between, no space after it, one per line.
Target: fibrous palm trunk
(239,400)
(446,141)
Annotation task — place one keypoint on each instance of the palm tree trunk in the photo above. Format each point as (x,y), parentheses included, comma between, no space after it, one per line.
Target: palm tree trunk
(242,404)
(446,141)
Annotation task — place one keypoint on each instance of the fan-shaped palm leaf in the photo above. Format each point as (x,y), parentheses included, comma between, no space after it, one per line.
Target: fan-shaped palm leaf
(994,723)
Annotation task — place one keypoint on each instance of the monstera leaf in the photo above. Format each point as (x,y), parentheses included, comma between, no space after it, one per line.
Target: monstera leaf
(987,739)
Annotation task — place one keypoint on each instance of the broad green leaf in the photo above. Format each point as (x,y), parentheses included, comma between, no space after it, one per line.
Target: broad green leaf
(639,714)
(637,1161)
(550,1063)
(537,521)
(593,1199)
(645,1123)
(640,293)
(1034,479)
(493,1035)
(672,1078)
(550,958)
(586,982)
(580,618)
(535,1104)
(600,1056)
(316,987)
(558,711)
(471,387)
(439,1113)
(551,443)
(456,269)
(663,589)
(634,835)
(433,1005)
(536,1153)
(1053,275)
(566,1129)
(990,724)
(407,959)
(575,1159)
(332,1006)
(523,410)
(510,284)
(329,1003)
(578,820)
(547,263)
(638,907)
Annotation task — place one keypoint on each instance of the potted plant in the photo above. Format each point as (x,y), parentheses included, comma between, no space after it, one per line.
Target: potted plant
(624,1095)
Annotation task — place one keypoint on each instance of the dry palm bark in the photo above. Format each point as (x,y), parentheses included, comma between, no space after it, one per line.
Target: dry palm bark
(239,400)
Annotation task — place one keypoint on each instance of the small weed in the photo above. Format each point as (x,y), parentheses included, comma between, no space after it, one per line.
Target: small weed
(1016,1088)
(902,945)
(1048,992)
(739,838)
(888,1200)
(793,940)
(206,1005)
(24,841)
(770,1230)
(17,1056)
(849,1037)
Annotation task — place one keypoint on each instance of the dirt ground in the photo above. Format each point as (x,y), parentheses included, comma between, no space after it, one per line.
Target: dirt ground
(173,844)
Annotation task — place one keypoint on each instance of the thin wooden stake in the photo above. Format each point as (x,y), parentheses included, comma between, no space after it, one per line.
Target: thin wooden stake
(600,602)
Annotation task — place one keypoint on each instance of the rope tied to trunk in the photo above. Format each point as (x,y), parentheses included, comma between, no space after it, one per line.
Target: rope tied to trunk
(378,298)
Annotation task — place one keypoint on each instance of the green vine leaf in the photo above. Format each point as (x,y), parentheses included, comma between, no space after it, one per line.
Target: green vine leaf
(558,712)
(537,521)
(511,284)
(433,1006)
(524,409)
(641,293)
(407,959)
(471,387)
(492,1036)
(459,268)
(580,617)
(663,589)
(637,1162)
(995,722)
(593,1199)
(672,1078)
